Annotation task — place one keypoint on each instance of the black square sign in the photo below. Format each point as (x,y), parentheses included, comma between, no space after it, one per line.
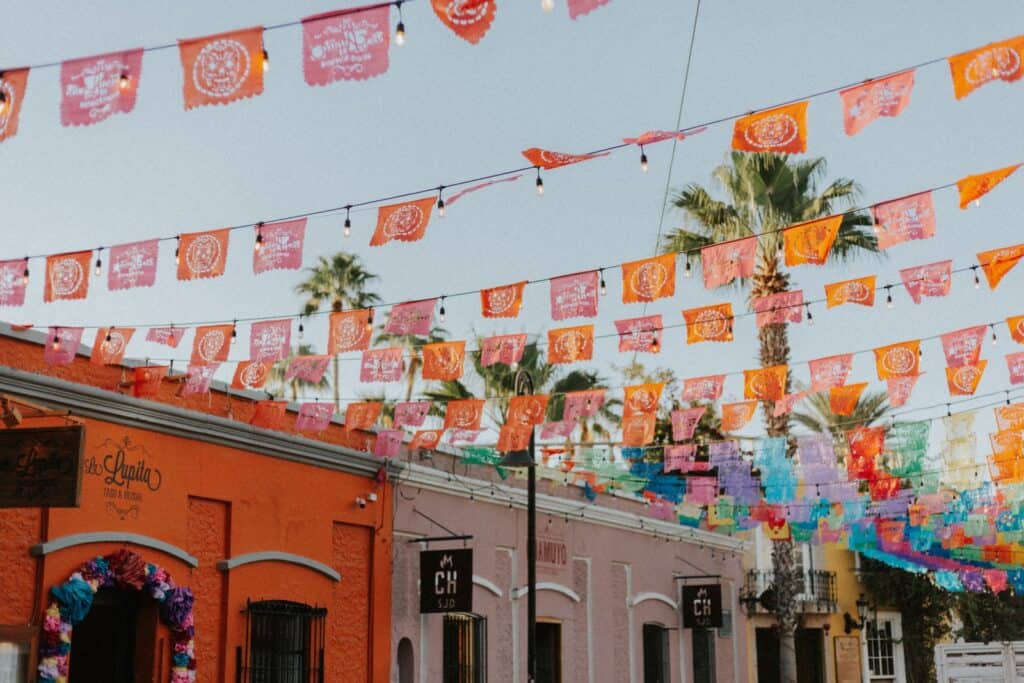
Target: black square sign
(702,606)
(446,581)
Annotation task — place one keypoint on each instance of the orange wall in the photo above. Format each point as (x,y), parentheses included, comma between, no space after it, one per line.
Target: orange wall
(217,502)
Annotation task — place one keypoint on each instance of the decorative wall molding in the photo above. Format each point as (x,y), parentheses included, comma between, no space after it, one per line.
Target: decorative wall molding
(278,556)
(659,597)
(487,585)
(547,586)
(73,540)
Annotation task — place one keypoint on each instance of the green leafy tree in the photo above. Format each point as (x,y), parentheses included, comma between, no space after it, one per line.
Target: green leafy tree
(761,194)
(412,346)
(817,415)
(342,281)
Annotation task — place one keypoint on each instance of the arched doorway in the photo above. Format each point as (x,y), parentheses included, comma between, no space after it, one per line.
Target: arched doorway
(119,586)
(406,665)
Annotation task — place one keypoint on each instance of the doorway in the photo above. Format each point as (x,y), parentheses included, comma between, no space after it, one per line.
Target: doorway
(810,655)
(114,643)
(549,652)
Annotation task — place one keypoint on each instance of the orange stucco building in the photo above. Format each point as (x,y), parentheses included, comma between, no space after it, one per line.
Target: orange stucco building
(284,541)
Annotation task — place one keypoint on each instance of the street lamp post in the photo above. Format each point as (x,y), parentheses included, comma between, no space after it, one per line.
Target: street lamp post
(523,385)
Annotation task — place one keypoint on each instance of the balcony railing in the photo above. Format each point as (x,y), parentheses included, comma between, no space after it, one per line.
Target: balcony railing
(817,595)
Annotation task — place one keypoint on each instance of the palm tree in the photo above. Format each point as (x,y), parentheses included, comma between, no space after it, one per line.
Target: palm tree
(871,408)
(342,280)
(413,346)
(275,378)
(760,194)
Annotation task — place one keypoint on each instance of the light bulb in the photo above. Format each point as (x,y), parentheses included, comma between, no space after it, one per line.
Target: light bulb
(400,34)
(348,223)
(177,250)
(643,160)
(56,340)
(124,81)
(604,288)
(301,329)
(995,340)
(888,297)
(810,316)
(98,269)
(440,207)
(540,185)
(547,5)
(654,343)
(440,313)
(24,274)
(686,271)
(266,61)
(3,103)
(108,337)
(259,238)
(977,280)
(234,332)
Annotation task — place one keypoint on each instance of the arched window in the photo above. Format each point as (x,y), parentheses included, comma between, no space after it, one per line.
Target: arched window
(406,662)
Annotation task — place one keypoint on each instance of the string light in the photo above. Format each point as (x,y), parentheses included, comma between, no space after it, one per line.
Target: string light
(3,100)
(234,331)
(24,273)
(369,321)
(654,343)
(440,202)
(259,237)
(810,316)
(98,269)
(301,328)
(109,338)
(604,287)
(995,340)
(547,5)
(400,28)
(348,221)
(56,339)
(687,271)
(540,184)
(266,61)
(177,250)
(124,81)
(643,159)
(440,313)
(888,296)
(977,280)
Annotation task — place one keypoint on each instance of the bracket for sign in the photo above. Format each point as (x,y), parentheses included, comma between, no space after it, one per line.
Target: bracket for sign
(694,577)
(441,539)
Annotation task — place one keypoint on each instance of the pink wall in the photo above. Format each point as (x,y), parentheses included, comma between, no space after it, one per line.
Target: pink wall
(605,568)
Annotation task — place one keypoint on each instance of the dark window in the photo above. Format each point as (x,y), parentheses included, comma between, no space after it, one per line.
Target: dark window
(655,654)
(549,652)
(406,665)
(285,643)
(465,648)
(106,642)
(703,655)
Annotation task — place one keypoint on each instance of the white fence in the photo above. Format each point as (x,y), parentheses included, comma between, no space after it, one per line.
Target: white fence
(980,663)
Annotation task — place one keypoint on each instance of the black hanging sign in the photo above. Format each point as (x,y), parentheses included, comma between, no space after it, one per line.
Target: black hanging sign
(702,606)
(41,467)
(446,581)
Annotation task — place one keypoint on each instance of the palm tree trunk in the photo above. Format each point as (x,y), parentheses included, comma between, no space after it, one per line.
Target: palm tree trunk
(410,377)
(334,383)
(774,350)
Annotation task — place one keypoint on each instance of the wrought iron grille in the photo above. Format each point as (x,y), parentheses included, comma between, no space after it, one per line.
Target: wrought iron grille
(284,643)
(817,589)
(465,648)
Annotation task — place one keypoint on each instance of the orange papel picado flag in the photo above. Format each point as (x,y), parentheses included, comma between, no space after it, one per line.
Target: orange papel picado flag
(405,222)
(810,241)
(783,129)
(973,187)
(843,399)
(859,291)
(362,415)
(709,323)
(464,414)
(67,276)
(963,381)
(502,302)
(898,360)
(571,344)
(222,68)
(765,384)
(1016,326)
(996,263)
(735,416)
(996,61)
(638,429)
(527,409)
(514,437)
(444,361)
(642,398)
(649,279)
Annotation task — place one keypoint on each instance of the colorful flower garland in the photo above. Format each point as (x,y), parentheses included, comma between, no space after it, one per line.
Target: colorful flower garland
(122,570)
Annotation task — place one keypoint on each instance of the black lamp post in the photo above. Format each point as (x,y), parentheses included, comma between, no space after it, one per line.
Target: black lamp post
(523,384)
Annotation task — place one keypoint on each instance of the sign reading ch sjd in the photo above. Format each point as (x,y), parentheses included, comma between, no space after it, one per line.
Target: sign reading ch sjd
(446,581)
(702,606)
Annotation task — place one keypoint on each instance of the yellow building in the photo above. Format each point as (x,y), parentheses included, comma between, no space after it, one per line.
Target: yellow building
(834,643)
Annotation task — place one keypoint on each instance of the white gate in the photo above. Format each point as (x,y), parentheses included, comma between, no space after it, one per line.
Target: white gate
(980,663)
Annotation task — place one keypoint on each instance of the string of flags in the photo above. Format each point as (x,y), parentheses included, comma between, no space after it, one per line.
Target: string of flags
(343,45)
(279,245)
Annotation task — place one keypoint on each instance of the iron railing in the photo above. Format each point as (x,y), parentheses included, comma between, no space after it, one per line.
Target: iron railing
(284,643)
(817,593)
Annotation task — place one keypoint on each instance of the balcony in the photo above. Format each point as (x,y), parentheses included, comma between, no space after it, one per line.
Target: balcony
(818,595)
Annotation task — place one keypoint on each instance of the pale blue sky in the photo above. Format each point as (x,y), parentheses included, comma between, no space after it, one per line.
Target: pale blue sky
(448,110)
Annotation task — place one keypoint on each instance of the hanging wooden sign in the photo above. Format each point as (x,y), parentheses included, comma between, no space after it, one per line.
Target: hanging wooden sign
(41,467)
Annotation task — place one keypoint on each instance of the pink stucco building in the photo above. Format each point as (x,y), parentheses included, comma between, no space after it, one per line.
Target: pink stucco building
(609,586)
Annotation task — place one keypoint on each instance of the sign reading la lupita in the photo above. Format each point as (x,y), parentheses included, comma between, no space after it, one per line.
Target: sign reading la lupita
(446,581)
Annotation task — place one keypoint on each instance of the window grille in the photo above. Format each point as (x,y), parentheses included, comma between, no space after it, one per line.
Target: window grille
(881,649)
(465,648)
(284,643)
